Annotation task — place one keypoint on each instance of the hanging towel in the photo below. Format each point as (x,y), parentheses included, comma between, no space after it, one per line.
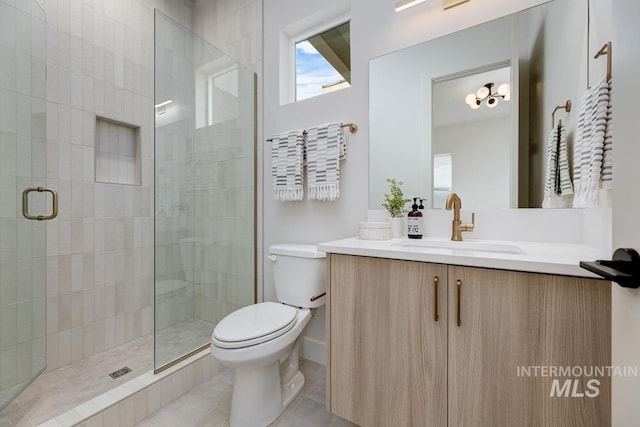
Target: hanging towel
(593,149)
(286,166)
(557,184)
(325,148)
(607,161)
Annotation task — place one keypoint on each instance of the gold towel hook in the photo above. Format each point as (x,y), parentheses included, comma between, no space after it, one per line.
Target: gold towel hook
(606,50)
(566,106)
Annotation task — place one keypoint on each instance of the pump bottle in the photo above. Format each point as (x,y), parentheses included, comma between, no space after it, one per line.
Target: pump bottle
(414,220)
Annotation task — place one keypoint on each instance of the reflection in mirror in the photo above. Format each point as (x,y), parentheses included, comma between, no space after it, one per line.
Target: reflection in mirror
(472,140)
(494,156)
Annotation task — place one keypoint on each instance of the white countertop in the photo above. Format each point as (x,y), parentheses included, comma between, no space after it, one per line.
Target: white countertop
(537,257)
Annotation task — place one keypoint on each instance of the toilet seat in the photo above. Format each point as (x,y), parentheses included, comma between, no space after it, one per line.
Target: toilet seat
(254,324)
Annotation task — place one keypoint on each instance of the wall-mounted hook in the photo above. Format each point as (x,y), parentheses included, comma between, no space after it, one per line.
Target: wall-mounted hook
(566,106)
(606,50)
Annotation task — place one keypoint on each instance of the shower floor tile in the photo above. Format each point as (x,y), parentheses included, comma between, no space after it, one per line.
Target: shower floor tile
(208,404)
(60,390)
(57,391)
(182,338)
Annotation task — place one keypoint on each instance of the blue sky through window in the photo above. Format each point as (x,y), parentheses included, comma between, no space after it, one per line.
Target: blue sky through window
(312,71)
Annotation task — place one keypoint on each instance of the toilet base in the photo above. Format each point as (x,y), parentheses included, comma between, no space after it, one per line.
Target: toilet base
(259,397)
(292,389)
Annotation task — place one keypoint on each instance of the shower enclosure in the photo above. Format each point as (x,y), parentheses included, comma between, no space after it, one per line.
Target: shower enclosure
(22,166)
(205,190)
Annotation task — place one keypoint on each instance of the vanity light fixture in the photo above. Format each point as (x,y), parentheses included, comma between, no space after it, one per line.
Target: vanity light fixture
(406,4)
(485,93)
(448,4)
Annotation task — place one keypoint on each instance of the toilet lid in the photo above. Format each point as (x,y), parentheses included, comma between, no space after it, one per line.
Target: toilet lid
(254,324)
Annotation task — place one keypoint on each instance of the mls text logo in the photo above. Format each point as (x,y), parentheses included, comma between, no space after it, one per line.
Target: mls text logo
(575,388)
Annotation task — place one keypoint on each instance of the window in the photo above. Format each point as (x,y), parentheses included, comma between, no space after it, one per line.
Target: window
(222,96)
(442,179)
(323,62)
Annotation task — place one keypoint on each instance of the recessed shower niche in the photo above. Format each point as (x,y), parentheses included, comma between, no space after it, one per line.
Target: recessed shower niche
(117,151)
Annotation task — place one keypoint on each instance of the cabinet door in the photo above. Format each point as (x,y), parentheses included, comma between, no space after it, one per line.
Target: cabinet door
(387,353)
(512,321)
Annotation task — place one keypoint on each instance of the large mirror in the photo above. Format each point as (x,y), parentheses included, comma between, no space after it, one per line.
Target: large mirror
(469,112)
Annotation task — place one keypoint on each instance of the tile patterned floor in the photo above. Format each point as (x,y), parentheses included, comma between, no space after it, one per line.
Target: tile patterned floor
(208,404)
(57,391)
(182,338)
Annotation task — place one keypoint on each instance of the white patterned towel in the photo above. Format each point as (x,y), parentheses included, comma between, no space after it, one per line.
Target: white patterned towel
(593,150)
(325,148)
(557,184)
(286,166)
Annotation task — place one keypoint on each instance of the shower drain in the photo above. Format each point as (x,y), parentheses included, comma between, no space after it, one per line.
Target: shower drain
(120,372)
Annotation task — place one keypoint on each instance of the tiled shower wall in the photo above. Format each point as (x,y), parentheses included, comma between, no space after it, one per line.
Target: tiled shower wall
(235,27)
(100,248)
(204,178)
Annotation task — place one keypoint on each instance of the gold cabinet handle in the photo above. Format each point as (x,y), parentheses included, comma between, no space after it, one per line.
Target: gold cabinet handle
(435,298)
(25,204)
(458,287)
(312,299)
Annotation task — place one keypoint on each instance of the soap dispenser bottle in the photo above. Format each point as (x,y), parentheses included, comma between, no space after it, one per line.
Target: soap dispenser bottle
(414,220)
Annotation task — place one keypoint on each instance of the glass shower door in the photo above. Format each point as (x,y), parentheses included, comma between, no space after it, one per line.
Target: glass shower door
(205,242)
(22,167)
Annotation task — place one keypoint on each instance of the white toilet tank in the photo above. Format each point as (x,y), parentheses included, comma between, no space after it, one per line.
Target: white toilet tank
(299,274)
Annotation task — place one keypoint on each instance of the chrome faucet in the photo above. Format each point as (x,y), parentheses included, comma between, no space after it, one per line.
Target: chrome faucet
(454,202)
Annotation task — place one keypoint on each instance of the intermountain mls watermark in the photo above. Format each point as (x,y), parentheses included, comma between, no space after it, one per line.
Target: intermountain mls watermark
(576,381)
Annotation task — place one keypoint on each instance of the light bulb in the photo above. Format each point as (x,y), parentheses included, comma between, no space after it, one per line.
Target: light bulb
(483,92)
(475,105)
(470,99)
(492,102)
(505,91)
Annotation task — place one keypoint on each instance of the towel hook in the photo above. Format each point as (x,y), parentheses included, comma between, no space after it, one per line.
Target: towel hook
(605,50)
(566,106)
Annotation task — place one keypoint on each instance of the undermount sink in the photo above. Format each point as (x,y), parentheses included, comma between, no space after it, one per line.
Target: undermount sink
(448,246)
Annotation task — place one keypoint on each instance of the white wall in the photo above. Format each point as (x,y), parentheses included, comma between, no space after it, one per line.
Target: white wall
(480,152)
(376,29)
(626,201)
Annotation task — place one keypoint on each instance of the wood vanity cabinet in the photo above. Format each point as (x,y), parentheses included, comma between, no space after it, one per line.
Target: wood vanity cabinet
(387,363)
(513,319)
(391,364)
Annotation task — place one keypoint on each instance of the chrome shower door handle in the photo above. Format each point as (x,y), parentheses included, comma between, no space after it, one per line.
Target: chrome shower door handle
(25,204)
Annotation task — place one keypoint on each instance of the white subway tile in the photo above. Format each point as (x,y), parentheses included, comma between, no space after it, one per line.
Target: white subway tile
(8,112)
(126,412)
(64,347)
(111,416)
(52,315)
(140,405)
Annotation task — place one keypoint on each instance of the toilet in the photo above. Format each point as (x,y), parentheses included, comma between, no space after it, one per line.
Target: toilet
(261,341)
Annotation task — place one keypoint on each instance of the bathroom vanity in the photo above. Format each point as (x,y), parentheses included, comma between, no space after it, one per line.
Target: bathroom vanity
(440,333)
